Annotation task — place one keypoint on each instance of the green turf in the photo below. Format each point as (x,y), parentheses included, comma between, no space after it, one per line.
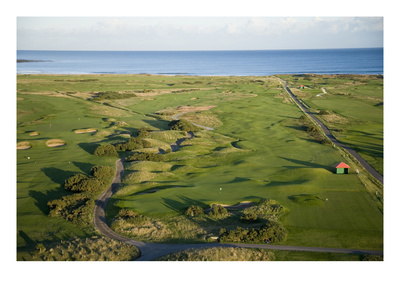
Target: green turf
(257,151)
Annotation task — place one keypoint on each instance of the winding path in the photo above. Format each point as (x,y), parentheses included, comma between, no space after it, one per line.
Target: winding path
(150,251)
(329,135)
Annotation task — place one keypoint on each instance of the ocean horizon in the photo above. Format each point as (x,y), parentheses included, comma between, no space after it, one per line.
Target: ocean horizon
(203,63)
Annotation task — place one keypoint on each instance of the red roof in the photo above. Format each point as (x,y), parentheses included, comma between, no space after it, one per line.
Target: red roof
(342,165)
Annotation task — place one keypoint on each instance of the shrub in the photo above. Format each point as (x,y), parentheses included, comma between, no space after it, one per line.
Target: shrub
(78,207)
(145,157)
(218,211)
(102,173)
(143,132)
(323,112)
(182,125)
(249,217)
(72,182)
(272,231)
(312,128)
(106,150)
(75,208)
(128,216)
(83,183)
(111,95)
(133,144)
(194,211)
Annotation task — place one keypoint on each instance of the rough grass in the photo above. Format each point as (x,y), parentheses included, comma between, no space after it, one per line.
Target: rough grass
(88,249)
(220,254)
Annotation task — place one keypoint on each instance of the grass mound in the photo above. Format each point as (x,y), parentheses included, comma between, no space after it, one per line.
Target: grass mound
(55,143)
(23,145)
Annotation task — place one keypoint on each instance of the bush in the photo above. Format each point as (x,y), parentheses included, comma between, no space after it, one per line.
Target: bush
(145,157)
(194,211)
(128,216)
(143,132)
(272,231)
(72,182)
(111,95)
(102,173)
(133,144)
(323,112)
(106,150)
(249,217)
(182,125)
(83,183)
(218,211)
(76,208)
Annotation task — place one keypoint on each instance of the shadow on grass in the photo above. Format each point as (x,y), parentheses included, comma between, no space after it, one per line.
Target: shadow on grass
(42,198)
(181,206)
(89,147)
(84,167)
(26,238)
(309,164)
(160,124)
(57,175)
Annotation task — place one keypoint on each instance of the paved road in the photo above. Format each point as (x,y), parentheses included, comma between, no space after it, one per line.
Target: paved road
(150,251)
(362,161)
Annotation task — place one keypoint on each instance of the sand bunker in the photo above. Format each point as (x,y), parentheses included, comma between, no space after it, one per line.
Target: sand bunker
(240,206)
(23,145)
(55,143)
(89,130)
(34,133)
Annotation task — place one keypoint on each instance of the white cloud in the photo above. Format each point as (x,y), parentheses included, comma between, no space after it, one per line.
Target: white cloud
(185,33)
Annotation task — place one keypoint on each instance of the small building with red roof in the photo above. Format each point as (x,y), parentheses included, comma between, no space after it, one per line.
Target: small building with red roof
(342,168)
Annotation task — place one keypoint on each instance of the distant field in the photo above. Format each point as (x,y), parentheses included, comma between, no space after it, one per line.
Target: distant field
(258,150)
(354,106)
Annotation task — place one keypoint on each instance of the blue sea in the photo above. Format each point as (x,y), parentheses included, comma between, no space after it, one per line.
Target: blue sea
(224,63)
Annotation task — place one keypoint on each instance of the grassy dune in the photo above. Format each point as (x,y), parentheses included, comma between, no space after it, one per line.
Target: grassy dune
(258,150)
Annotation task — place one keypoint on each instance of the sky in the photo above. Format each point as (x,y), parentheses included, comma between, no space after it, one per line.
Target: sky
(162,33)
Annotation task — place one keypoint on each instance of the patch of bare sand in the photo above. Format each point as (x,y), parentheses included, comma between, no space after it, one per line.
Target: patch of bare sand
(240,206)
(55,143)
(23,145)
(89,130)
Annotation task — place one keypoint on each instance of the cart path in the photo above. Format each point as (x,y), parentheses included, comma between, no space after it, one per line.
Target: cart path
(329,135)
(150,251)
